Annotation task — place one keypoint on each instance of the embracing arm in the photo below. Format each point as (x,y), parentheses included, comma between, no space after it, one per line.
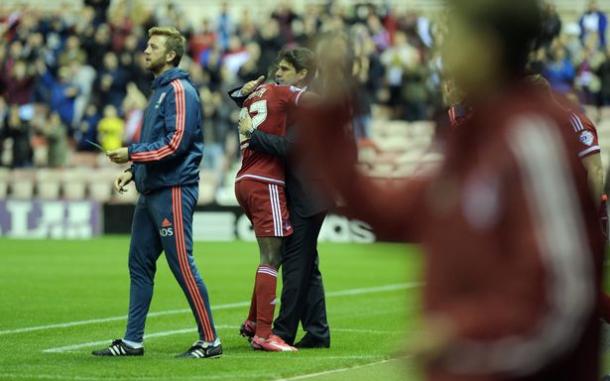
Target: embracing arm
(272,144)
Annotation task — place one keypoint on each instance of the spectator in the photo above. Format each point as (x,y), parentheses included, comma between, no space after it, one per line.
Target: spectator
(72,52)
(139,76)
(133,105)
(100,7)
(587,65)
(380,36)
(20,132)
(3,126)
(251,68)
(559,71)
(19,84)
(285,16)
(110,130)
(270,43)
(57,146)
(112,82)
(97,47)
(395,60)
(83,77)
(203,39)
(594,21)
(603,72)
(224,27)
(62,92)
(87,130)
(551,27)
(415,91)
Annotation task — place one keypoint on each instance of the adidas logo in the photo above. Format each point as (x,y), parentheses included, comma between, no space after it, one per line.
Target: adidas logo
(166,228)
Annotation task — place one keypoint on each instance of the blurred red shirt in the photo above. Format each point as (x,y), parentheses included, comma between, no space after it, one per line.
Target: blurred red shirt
(513,249)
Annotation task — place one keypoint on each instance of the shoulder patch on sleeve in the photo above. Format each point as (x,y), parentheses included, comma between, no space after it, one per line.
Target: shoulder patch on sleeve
(586,138)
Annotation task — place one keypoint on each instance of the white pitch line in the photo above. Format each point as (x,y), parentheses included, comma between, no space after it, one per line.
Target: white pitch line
(115,318)
(332,371)
(350,292)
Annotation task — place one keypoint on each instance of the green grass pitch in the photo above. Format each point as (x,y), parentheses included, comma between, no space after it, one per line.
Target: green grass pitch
(59,297)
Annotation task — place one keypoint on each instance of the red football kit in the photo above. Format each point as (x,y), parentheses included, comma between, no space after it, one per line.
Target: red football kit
(259,185)
(513,252)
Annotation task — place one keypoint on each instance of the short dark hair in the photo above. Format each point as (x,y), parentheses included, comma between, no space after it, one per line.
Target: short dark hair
(300,58)
(175,41)
(516,24)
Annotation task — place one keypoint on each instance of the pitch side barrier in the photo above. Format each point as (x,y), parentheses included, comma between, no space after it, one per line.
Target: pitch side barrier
(62,219)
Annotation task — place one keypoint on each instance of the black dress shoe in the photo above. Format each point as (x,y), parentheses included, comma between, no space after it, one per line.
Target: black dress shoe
(308,342)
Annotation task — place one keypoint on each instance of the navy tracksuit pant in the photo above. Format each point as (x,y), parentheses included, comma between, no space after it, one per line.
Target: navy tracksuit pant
(163,222)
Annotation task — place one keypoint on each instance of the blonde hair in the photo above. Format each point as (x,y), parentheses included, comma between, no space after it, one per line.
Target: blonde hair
(175,41)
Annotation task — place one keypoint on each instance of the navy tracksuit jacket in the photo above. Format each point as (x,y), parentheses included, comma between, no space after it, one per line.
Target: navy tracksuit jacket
(166,174)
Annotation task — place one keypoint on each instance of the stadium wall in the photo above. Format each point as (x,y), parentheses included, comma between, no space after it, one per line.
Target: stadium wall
(48,219)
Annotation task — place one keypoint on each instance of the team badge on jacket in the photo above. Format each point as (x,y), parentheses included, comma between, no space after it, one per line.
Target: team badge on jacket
(161,98)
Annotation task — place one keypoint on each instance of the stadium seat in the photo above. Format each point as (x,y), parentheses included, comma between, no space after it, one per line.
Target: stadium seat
(100,190)
(73,183)
(48,183)
(22,184)
(4,180)
(207,193)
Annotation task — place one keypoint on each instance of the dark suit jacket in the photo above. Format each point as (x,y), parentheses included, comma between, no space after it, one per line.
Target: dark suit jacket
(303,189)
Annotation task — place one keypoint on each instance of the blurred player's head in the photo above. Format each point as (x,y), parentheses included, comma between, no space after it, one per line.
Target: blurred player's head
(295,67)
(489,41)
(336,63)
(164,50)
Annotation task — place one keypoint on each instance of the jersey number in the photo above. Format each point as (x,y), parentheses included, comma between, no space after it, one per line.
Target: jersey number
(259,109)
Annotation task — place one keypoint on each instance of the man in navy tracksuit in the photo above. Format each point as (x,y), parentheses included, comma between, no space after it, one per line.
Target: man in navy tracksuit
(166,174)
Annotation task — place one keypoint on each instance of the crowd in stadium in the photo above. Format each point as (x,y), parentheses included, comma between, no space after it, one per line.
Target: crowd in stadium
(75,76)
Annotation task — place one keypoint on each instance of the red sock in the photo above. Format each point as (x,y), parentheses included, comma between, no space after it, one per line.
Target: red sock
(252,313)
(604,307)
(266,281)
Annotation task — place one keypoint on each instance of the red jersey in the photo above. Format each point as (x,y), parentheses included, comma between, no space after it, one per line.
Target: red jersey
(513,251)
(269,107)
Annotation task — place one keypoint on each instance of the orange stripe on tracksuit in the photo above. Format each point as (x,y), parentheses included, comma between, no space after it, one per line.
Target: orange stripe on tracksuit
(185,268)
(172,146)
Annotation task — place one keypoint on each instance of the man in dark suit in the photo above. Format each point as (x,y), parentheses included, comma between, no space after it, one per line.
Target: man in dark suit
(302,297)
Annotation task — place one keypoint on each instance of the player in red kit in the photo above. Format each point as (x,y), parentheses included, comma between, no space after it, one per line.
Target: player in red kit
(259,188)
(513,252)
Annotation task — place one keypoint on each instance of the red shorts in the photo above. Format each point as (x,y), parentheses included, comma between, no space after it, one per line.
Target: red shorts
(265,206)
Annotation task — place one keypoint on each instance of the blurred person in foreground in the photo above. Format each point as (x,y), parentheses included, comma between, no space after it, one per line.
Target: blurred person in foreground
(513,249)
(166,173)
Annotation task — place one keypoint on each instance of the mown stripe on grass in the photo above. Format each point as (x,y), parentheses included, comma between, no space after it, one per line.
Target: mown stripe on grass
(349,292)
